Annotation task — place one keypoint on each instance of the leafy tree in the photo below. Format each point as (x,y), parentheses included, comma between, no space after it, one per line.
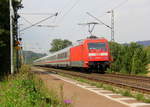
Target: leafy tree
(58,44)
(130,58)
(4,52)
(4,33)
(147,49)
(2,44)
(138,58)
(115,52)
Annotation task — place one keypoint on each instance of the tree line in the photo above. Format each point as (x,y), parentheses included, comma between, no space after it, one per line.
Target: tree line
(129,58)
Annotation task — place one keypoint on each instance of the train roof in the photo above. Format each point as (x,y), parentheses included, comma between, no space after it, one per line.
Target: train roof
(55,53)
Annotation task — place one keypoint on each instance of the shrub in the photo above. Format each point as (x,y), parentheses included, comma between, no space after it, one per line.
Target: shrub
(130,59)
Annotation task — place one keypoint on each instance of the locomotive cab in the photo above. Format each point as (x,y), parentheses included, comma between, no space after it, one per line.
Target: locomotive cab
(98,54)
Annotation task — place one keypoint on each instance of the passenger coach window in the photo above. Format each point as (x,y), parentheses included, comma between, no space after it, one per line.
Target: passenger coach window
(62,55)
(97,46)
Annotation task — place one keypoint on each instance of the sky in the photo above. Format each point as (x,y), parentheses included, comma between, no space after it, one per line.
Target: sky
(131,21)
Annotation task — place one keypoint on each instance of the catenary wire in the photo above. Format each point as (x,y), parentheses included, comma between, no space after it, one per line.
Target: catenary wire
(115,7)
(69,10)
(38,22)
(26,20)
(35,13)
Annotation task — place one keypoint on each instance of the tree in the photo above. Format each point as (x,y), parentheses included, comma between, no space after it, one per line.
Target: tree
(138,58)
(4,34)
(128,58)
(58,44)
(2,44)
(116,52)
(147,49)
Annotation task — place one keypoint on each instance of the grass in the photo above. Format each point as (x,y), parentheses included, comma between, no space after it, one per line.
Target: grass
(26,90)
(122,91)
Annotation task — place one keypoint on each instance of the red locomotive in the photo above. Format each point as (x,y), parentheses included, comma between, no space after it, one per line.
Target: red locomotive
(92,54)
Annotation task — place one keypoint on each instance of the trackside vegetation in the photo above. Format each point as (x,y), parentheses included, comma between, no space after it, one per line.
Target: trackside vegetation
(24,89)
(147,49)
(129,58)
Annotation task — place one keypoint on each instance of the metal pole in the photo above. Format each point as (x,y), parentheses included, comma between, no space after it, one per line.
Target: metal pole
(17,51)
(112,26)
(11,36)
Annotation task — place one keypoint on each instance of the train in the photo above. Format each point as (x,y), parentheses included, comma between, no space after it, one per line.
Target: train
(90,54)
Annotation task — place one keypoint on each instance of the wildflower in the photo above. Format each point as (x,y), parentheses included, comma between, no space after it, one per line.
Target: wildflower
(67,101)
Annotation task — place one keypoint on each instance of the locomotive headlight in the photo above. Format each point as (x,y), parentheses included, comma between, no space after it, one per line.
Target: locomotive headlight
(104,54)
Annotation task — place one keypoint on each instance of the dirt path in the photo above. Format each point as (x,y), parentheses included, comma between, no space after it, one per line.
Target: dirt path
(80,97)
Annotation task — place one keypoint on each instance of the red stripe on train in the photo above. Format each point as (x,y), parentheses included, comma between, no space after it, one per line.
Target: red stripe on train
(58,61)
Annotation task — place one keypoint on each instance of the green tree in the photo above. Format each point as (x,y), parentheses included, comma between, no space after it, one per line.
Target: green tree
(136,62)
(116,52)
(58,44)
(2,44)
(147,49)
(130,58)
(4,34)
(138,59)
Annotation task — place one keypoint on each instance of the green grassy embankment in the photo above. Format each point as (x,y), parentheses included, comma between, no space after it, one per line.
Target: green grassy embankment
(26,90)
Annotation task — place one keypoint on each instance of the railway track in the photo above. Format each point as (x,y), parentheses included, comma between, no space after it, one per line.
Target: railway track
(135,83)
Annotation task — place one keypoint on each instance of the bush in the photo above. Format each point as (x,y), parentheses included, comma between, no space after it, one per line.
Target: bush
(25,90)
(128,58)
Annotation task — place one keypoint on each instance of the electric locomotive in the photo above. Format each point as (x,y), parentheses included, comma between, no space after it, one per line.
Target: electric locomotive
(92,54)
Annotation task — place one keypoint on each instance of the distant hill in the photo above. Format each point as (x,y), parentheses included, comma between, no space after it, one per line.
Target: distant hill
(30,56)
(145,43)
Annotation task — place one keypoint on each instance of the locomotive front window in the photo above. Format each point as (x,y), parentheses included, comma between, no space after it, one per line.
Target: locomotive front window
(97,46)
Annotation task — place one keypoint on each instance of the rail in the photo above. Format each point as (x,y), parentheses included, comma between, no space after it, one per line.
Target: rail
(136,83)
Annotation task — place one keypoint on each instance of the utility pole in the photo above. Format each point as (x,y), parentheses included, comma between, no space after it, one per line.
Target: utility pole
(11,14)
(112,25)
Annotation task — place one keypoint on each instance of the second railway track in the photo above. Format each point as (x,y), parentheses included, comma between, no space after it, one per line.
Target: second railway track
(136,83)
